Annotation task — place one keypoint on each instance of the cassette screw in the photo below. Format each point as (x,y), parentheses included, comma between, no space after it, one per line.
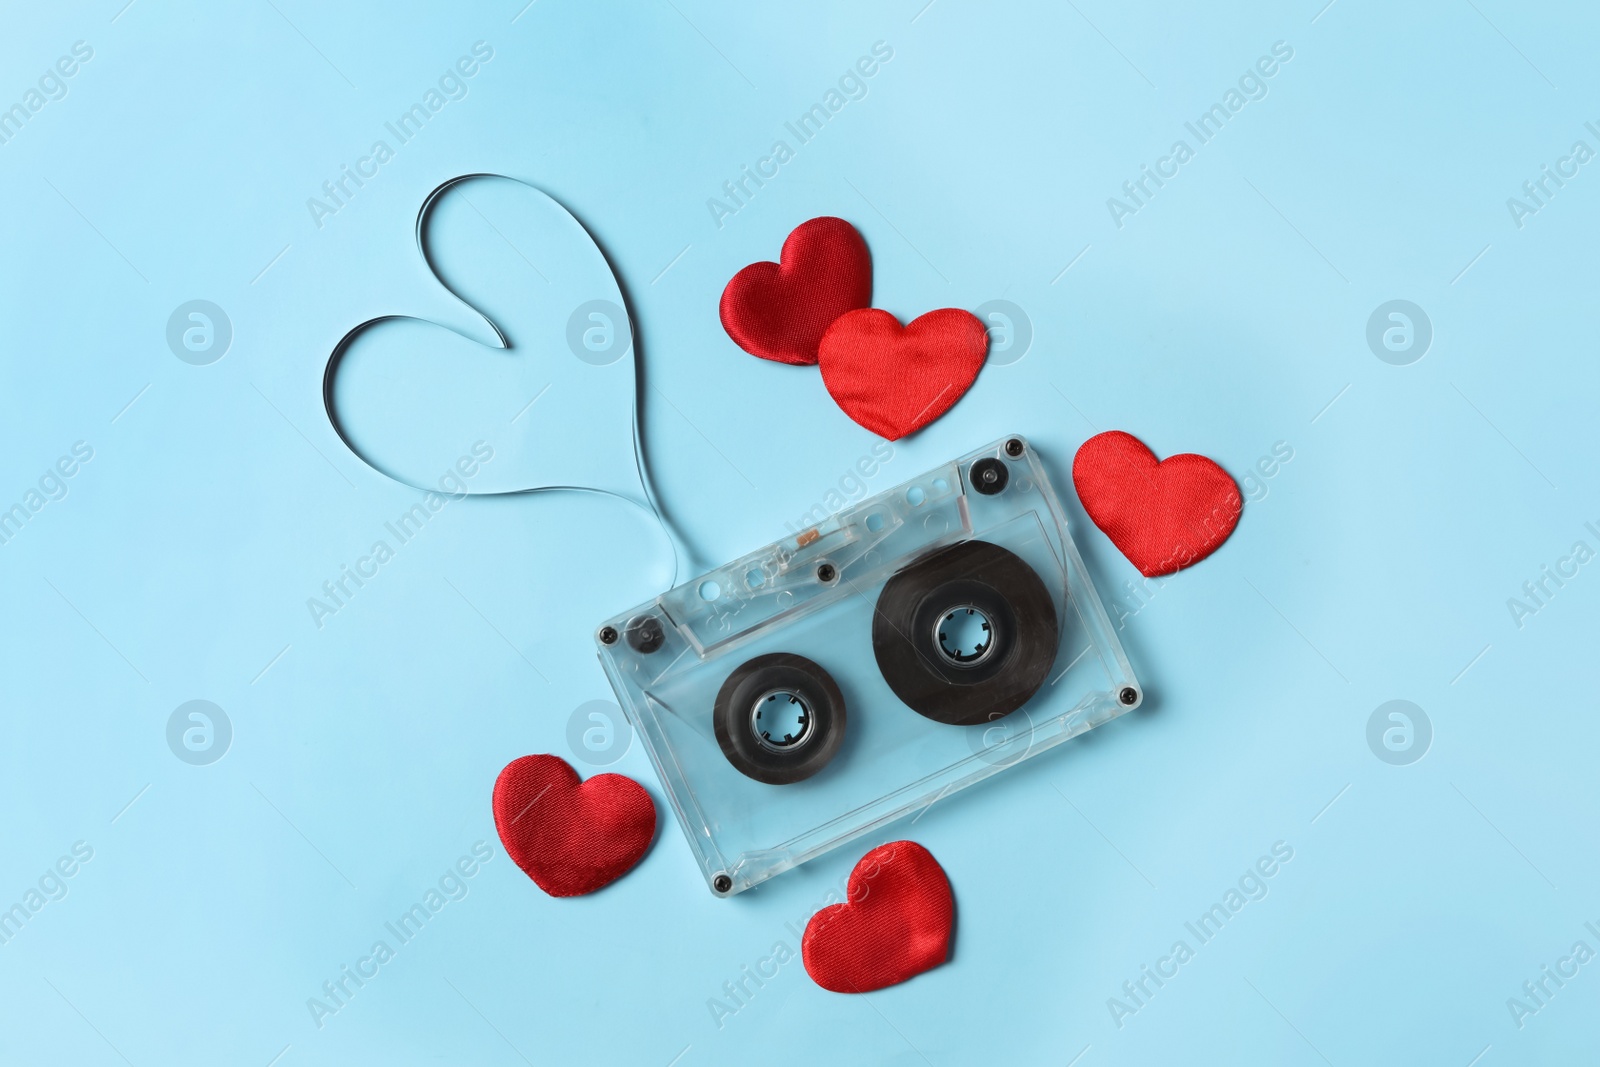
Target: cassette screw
(826,573)
(608,635)
(1014,448)
(1129,695)
(722,883)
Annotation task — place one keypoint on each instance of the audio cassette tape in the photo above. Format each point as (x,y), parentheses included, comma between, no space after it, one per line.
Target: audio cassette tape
(911,645)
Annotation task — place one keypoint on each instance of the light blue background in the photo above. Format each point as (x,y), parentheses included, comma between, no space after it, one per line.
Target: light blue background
(1224,317)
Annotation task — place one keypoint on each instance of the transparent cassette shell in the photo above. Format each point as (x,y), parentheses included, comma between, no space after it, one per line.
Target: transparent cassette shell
(812,595)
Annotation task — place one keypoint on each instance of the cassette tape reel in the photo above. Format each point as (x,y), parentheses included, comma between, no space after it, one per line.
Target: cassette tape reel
(909,646)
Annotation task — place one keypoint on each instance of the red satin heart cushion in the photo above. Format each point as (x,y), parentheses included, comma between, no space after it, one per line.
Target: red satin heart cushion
(1163,516)
(571,837)
(895,380)
(895,924)
(780,310)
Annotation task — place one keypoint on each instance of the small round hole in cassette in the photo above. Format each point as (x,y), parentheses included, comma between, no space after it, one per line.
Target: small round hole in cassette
(916,495)
(779,718)
(710,590)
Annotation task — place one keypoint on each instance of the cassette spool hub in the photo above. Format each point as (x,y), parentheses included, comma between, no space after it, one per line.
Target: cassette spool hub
(779,718)
(999,670)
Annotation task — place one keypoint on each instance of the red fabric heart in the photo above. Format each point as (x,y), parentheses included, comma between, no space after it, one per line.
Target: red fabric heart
(1163,516)
(895,925)
(895,380)
(780,311)
(571,837)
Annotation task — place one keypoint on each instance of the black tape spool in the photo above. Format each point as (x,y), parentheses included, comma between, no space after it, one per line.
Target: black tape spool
(1022,640)
(767,679)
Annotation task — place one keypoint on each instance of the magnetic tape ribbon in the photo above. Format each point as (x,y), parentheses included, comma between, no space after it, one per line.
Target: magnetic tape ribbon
(646,502)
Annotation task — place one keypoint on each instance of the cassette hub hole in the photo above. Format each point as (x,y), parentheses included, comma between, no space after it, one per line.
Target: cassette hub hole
(964,636)
(781,720)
